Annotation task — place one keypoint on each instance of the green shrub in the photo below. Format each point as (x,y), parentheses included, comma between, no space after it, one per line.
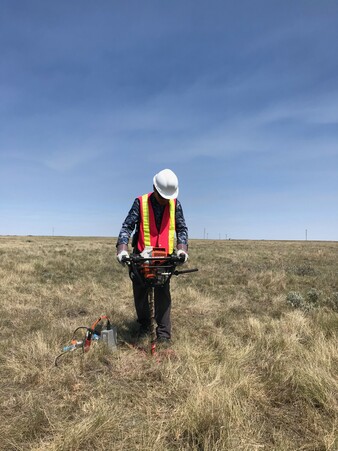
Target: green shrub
(312,296)
(333,301)
(295,299)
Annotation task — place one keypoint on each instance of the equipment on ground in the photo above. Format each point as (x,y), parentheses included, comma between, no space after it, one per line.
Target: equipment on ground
(153,272)
(101,329)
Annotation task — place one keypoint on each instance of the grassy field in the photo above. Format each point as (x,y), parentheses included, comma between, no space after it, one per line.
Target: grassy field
(254,334)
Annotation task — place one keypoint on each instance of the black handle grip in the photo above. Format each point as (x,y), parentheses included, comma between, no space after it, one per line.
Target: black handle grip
(185,271)
(138,259)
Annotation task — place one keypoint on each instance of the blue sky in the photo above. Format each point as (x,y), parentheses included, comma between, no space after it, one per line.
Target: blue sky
(240,99)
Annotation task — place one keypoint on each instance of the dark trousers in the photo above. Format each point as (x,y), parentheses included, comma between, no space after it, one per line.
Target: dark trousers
(162,300)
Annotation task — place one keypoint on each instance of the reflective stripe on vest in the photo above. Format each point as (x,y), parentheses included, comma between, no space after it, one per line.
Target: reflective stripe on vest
(145,219)
(171,238)
(148,234)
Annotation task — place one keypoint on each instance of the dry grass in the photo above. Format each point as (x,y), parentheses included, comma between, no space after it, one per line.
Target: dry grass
(251,371)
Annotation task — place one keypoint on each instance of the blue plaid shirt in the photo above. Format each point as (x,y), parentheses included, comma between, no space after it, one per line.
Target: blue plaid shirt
(132,221)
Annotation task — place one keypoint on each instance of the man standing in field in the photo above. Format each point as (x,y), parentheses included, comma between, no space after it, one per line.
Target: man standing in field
(155,217)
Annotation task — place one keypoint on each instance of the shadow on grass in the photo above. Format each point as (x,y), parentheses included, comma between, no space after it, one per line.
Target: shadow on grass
(127,331)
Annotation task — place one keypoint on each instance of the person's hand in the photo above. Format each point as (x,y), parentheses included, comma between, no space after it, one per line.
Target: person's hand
(120,256)
(182,255)
(147,252)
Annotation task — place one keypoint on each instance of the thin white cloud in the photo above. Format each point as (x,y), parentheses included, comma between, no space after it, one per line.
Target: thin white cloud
(68,159)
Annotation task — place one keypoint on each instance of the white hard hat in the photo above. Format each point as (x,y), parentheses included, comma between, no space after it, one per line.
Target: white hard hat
(166,183)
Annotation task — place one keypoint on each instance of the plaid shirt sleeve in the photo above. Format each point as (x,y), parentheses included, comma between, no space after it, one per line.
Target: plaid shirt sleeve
(181,228)
(132,220)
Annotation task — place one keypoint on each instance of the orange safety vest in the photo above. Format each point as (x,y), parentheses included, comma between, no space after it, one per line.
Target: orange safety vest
(148,233)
